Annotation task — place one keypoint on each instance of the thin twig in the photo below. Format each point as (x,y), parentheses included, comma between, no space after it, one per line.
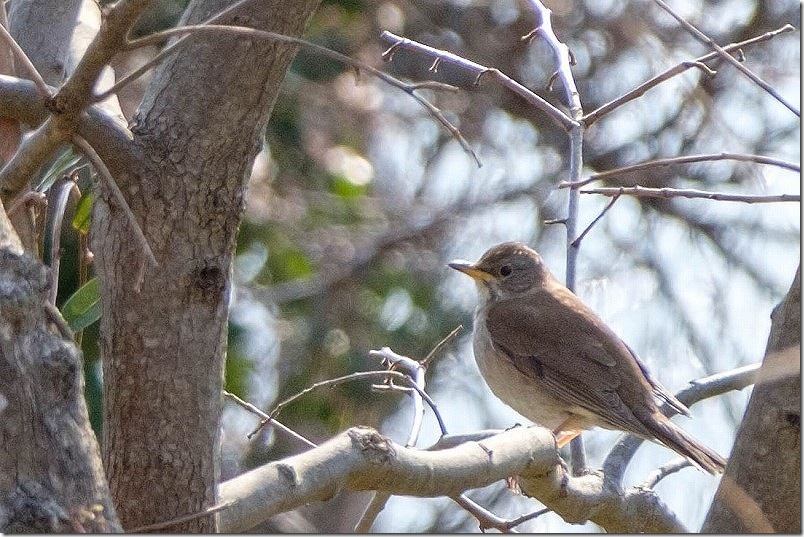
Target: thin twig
(643,88)
(372,511)
(254,410)
(134,43)
(530,516)
(333,382)
(577,241)
(416,372)
(726,56)
(217,29)
(489,520)
(665,470)
(430,355)
(668,193)
(39,82)
(179,520)
(479,71)
(106,175)
(485,518)
(658,163)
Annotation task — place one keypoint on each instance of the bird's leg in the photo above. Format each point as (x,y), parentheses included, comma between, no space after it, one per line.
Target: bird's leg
(566,431)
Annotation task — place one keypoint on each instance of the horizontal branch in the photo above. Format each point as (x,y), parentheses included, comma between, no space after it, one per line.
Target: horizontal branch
(361,459)
(688,159)
(667,193)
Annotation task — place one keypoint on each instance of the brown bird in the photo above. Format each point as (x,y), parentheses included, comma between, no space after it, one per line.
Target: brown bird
(553,360)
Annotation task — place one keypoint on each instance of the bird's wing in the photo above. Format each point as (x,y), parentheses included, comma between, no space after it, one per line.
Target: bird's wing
(660,391)
(564,345)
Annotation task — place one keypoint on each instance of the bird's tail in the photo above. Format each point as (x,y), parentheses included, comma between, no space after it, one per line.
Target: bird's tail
(685,445)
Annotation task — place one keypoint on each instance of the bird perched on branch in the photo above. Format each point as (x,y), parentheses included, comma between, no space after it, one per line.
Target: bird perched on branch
(552,359)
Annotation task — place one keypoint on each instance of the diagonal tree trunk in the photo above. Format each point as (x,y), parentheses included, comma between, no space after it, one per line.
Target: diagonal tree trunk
(51,479)
(761,489)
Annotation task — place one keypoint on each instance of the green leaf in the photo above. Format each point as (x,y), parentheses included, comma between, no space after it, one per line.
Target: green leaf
(83,307)
(83,214)
(61,166)
(347,189)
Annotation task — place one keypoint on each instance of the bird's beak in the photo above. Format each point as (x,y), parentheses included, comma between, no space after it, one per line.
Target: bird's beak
(470,269)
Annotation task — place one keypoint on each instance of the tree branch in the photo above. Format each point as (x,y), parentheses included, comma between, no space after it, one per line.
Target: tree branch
(410,89)
(728,57)
(479,72)
(41,86)
(667,193)
(362,459)
(643,88)
(657,163)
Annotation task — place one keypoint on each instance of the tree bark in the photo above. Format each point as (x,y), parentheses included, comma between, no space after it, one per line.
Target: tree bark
(761,489)
(163,342)
(51,478)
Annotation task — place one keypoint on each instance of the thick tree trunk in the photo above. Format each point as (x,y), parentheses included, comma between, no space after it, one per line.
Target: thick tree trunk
(163,343)
(761,489)
(51,479)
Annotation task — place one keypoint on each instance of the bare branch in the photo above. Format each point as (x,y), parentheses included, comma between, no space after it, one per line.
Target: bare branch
(361,459)
(256,411)
(178,520)
(339,380)
(76,93)
(667,193)
(479,72)
(216,29)
(64,188)
(104,173)
(29,158)
(665,470)
(643,88)
(563,59)
(657,163)
(577,241)
(485,518)
(416,371)
(728,57)
(41,86)
(135,43)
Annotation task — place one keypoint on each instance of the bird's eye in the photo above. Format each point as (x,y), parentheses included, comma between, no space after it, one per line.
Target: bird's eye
(506,270)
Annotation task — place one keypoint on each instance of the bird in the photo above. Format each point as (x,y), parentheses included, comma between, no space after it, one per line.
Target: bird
(550,357)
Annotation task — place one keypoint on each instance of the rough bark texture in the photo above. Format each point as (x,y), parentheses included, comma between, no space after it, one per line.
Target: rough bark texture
(163,346)
(761,489)
(51,479)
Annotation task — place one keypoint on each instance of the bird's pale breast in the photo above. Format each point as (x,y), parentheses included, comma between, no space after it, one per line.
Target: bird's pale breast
(518,391)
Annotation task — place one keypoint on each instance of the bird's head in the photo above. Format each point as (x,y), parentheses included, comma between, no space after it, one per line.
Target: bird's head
(506,270)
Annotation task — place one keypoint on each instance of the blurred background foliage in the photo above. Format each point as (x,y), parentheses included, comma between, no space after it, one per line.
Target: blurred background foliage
(359,198)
